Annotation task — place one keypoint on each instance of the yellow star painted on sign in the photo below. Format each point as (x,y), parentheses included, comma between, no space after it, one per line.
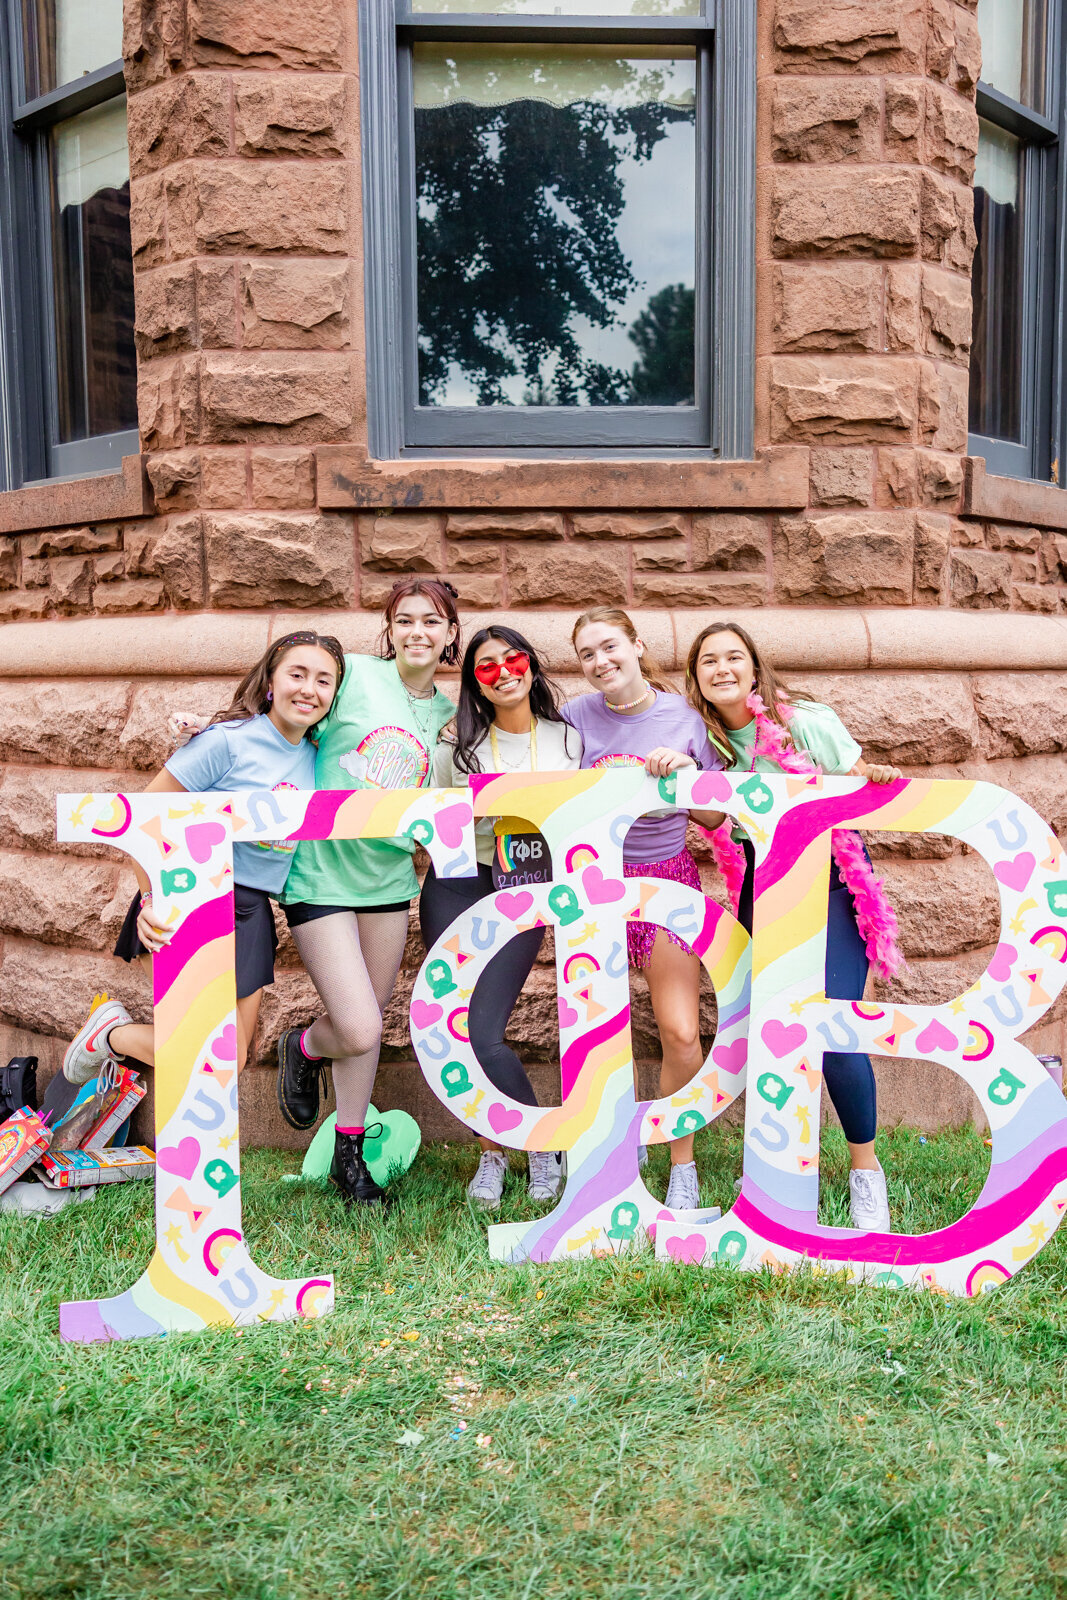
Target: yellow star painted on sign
(470,1110)
(227,1139)
(277,1299)
(173,1234)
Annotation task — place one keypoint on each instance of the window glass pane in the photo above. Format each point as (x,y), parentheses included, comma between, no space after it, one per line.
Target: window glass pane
(997,287)
(565,8)
(1013,34)
(90,170)
(70,38)
(555,224)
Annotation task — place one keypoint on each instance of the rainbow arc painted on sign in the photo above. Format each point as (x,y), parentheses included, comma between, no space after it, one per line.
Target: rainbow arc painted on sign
(774,1024)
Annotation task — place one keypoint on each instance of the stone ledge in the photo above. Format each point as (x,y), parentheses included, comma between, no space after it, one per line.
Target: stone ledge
(837,639)
(1040,505)
(66,502)
(347,477)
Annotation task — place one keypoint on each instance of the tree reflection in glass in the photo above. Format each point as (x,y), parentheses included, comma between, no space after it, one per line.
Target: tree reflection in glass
(555,224)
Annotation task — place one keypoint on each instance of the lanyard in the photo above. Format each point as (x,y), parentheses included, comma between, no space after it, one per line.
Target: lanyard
(496,749)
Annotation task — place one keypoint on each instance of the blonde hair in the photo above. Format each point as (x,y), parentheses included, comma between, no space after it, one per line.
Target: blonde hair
(615,617)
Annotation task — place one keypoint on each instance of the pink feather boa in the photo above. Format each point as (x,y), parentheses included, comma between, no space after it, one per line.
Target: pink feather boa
(875,917)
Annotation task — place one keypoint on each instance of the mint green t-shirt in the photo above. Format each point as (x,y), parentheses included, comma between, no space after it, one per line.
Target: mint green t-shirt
(814,729)
(373,737)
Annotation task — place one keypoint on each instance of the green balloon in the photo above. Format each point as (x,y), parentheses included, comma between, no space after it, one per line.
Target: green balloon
(390,1154)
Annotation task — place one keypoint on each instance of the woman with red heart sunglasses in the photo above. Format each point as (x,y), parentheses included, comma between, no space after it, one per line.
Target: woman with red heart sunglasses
(508,720)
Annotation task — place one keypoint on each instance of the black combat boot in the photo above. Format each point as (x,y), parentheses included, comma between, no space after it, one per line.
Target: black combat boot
(299,1081)
(350,1173)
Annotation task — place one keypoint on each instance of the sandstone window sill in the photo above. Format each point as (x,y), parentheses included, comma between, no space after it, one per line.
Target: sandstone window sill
(66,502)
(348,479)
(1040,505)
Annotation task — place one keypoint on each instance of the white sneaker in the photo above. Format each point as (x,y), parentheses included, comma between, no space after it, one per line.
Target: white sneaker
(88,1051)
(868,1200)
(683,1191)
(547,1172)
(487,1186)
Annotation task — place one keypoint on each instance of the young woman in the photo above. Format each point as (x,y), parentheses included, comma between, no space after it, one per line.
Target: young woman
(759,726)
(346,901)
(508,721)
(634,719)
(259,742)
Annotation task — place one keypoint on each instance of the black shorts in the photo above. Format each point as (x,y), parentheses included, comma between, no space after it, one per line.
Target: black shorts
(255,938)
(300,912)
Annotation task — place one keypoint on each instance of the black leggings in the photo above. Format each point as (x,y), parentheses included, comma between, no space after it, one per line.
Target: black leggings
(849,1079)
(498,988)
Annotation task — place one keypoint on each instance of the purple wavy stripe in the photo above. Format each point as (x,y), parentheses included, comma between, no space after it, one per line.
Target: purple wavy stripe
(808,821)
(212,920)
(100,1321)
(981,1229)
(1006,1175)
(576,1054)
(321,814)
(620,1145)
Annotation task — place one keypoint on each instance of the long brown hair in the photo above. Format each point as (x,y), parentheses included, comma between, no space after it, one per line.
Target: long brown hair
(441,594)
(766,682)
(614,617)
(251,698)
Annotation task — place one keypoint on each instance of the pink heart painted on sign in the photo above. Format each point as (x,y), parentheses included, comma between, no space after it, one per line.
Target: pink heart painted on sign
(1015,874)
(180,1159)
(731,1057)
(224,1044)
(514,906)
(567,1014)
(935,1036)
(692,1248)
(782,1041)
(201,838)
(601,890)
(710,786)
(451,822)
(422,1014)
(1000,966)
(501,1120)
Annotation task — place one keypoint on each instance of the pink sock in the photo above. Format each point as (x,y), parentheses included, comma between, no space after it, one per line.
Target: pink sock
(303,1045)
(352,1131)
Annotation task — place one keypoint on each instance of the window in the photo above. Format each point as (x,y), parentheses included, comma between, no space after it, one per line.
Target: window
(559,225)
(1017,279)
(68,378)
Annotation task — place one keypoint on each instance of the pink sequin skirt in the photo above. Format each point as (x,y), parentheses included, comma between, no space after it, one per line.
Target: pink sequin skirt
(641,936)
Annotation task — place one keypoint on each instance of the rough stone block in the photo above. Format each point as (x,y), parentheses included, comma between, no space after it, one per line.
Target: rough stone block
(902,281)
(841,477)
(1007,536)
(1037,597)
(132,595)
(948,235)
(216,307)
(624,525)
(71,722)
(282,479)
(944,908)
(173,551)
(290,115)
(1022,713)
(845,557)
(73,541)
(305,397)
(145,743)
(9,563)
(46,988)
(168,403)
(175,479)
(1054,556)
(904,105)
(943,406)
(726,542)
(473,555)
(264,206)
(950,133)
(914,718)
(109,568)
(399,543)
(945,301)
(148,221)
(505,525)
(224,478)
(826,212)
(477,591)
(826,120)
(834,307)
(272,560)
(660,555)
(23,605)
(843,397)
(71,581)
(933,536)
(165,310)
(153,41)
(290,304)
(181,118)
(981,580)
(873,35)
(732,590)
(940,477)
(28,806)
(61,901)
(267,33)
(569,576)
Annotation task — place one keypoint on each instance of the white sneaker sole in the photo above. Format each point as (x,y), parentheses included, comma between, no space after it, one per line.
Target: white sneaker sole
(80,1061)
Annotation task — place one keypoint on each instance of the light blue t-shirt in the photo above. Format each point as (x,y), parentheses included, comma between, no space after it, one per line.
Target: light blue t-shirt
(248,755)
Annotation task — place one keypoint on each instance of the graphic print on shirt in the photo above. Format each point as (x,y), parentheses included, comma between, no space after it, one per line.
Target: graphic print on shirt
(388,758)
(617,758)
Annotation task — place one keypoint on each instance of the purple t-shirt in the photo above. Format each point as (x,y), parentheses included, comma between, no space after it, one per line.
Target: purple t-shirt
(611,740)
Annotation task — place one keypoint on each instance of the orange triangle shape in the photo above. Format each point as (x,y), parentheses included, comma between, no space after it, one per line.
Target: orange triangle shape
(224,1074)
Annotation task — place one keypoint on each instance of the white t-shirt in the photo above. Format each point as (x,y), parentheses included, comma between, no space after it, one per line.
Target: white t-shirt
(559,749)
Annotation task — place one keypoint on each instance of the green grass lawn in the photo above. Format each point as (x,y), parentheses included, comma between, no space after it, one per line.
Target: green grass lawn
(631,1429)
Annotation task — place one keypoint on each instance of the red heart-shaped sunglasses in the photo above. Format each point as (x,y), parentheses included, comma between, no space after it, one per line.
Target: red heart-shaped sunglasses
(517,663)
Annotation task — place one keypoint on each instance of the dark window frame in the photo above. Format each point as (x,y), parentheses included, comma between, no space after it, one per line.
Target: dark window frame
(1044,269)
(30,450)
(725,36)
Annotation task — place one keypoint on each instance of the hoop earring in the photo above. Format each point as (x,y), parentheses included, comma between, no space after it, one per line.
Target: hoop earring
(270,696)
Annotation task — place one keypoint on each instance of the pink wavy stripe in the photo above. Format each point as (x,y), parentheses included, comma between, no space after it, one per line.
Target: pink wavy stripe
(577,1054)
(321,814)
(213,920)
(703,940)
(981,1229)
(808,821)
